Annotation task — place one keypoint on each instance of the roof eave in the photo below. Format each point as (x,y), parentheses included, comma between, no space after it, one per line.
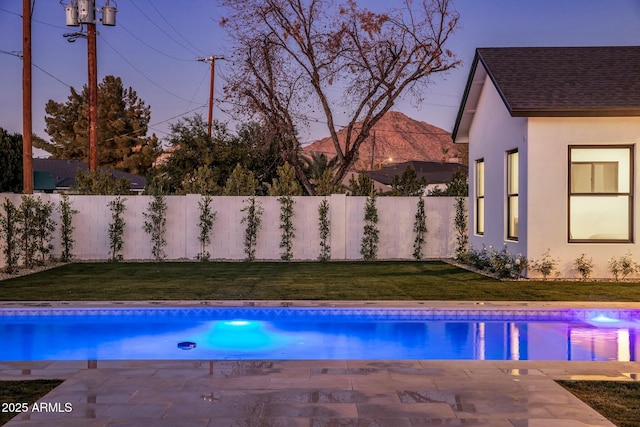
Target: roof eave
(463,102)
(469,103)
(576,112)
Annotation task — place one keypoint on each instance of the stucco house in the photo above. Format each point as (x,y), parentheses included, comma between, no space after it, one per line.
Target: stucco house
(552,134)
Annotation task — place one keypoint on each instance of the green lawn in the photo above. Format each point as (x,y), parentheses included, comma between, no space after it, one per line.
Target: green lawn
(384,280)
(618,401)
(21,392)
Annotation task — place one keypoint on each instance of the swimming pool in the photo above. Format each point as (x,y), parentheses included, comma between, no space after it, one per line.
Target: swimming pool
(318,333)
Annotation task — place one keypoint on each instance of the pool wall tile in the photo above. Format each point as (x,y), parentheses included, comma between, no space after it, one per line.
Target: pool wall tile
(359,314)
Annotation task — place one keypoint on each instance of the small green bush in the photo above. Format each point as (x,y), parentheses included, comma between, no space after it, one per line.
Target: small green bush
(584,266)
(546,265)
(623,266)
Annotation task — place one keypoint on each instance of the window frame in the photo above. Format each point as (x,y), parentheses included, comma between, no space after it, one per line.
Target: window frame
(510,195)
(480,198)
(629,194)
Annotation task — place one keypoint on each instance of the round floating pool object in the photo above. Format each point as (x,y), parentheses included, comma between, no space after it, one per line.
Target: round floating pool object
(186,345)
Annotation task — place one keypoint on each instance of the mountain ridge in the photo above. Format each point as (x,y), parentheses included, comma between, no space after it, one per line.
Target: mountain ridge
(397,138)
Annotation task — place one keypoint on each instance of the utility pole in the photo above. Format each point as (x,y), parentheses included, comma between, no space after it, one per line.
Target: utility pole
(27,123)
(92,83)
(373,150)
(84,12)
(212,59)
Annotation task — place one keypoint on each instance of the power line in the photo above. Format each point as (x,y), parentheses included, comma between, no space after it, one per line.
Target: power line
(13,53)
(199,86)
(153,48)
(342,126)
(172,27)
(9,11)
(51,75)
(32,20)
(154,124)
(141,73)
(174,117)
(18,54)
(162,29)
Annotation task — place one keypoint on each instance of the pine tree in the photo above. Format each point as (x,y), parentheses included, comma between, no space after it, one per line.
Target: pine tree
(408,184)
(10,162)
(241,182)
(123,121)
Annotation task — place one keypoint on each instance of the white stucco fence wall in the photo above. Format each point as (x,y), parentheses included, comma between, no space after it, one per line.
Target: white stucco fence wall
(346,215)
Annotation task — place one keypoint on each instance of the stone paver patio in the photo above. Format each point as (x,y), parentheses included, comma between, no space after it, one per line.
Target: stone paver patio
(314,393)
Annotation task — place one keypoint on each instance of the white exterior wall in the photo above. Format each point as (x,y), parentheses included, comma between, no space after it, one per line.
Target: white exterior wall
(493,132)
(396,218)
(549,139)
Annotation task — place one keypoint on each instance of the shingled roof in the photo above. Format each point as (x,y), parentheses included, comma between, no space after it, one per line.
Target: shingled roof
(432,172)
(556,81)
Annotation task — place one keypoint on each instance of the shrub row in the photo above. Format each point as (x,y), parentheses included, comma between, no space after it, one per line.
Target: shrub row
(507,266)
(27,229)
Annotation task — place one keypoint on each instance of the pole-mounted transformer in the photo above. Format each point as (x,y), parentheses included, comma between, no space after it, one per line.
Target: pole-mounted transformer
(109,15)
(72,15)
(84,12)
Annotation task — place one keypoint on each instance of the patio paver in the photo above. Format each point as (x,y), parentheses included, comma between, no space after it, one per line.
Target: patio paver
(316,393)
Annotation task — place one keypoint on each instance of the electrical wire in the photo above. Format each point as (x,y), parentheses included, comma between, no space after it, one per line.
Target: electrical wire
(51,75)
(33,20)
(172,27)
(159,86)
(343,126)
(19,55)
(162,29)
(154,124)
(13,53)
(9,11)
(151,47)
(199,86)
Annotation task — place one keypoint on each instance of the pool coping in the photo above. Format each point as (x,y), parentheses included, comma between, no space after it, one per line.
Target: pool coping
(399,304)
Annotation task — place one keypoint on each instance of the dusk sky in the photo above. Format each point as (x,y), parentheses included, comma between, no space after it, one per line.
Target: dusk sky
(155,44)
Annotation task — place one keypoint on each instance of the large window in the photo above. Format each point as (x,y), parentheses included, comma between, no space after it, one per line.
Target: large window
(600,193)
(479,196)
(512,195)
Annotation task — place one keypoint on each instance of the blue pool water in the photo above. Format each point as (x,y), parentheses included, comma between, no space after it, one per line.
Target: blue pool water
(316,333)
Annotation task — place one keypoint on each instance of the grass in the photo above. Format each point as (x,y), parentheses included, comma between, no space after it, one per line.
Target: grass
(389,280)
(23,392)
(618,401)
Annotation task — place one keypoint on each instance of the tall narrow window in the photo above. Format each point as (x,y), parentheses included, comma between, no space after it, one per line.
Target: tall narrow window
(600,193)
(512,195)
(480,196)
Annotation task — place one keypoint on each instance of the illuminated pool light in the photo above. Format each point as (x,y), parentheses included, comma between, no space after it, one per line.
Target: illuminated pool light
(604,319)
(238,323)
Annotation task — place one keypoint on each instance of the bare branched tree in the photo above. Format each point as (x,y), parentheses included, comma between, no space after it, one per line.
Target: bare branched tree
(292,56)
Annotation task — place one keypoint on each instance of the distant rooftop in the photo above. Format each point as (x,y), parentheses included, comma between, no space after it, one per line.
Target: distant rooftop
(432,172)
(63,173)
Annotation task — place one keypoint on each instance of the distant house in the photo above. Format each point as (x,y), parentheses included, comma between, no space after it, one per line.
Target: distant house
(552,134)
(51,175)
(436,174)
